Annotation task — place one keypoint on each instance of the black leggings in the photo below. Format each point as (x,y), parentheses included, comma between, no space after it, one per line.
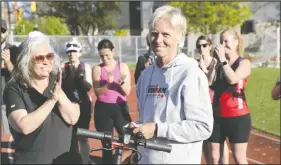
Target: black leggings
(106,117)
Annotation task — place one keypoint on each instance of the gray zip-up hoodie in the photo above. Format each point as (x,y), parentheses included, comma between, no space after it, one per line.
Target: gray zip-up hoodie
(176,97)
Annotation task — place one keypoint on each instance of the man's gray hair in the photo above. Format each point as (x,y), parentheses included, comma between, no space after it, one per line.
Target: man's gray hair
(175,16)
(21,71)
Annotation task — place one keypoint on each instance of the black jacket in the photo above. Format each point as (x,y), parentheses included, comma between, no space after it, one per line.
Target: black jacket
(141,65)
(14,50)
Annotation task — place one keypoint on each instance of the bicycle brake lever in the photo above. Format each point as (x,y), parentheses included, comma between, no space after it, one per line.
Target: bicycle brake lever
(127,138)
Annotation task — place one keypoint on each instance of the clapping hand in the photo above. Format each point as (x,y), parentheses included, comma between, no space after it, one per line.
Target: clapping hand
(202,64)
(220,52)
(110,77)
(55,93)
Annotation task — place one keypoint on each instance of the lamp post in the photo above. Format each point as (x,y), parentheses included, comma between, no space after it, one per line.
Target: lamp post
(10,24)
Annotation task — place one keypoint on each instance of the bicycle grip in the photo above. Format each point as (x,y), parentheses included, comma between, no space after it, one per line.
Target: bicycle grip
(158,146)
(90,134)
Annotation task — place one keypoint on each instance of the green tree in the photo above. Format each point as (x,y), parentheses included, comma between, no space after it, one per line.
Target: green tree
(83,14)
(121,32)
(51,25)
(24,27)
(212,17)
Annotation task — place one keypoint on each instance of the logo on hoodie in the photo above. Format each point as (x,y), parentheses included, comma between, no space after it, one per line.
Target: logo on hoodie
(155,90)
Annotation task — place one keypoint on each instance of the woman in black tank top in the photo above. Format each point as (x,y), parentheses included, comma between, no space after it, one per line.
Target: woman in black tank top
(232,70)
(77,82)
(208,64)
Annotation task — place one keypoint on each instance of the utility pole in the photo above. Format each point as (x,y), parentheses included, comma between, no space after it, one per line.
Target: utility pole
(10,24)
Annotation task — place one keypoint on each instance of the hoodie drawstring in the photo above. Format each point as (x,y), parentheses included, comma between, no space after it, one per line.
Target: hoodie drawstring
(169,89)
(172,75)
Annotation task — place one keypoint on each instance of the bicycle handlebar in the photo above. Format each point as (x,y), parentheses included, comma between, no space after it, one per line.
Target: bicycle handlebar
(146,143)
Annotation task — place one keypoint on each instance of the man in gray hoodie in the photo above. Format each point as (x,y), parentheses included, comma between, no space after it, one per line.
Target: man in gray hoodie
(173,95)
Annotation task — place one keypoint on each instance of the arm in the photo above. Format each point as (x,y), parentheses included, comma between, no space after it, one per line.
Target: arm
(85,82)
(138,92)
(88,76)
(70,111)
(99,90)
(276,94)
(243,71)
(7,59)
(198,122)
(19,119)
(211,75)
(126,86)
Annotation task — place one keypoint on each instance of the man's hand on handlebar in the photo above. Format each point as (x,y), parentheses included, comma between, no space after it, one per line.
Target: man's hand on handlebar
(147,129)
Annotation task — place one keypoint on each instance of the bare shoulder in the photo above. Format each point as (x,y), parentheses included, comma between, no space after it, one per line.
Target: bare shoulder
(245,62)
(124,66)
(96,68)
(87,66)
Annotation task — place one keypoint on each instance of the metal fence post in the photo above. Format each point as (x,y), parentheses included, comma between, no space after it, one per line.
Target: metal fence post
(278,48)
(136,48)
(120,49)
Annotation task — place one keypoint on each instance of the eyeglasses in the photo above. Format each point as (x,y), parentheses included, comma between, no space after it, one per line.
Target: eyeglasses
(199,46)
(41,58)
(3,30)
(74,45)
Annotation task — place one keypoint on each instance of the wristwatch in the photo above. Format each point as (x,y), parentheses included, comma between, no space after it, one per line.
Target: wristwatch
(223,63)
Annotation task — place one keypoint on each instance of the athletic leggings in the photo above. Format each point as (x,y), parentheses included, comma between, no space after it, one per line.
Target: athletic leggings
(106,117)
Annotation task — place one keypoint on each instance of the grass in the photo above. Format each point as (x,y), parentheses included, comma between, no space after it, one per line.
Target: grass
(265,112)
(132,66)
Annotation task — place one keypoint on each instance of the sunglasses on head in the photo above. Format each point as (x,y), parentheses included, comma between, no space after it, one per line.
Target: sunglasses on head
(3,30)
(41,58)
(74,45)
(199,46)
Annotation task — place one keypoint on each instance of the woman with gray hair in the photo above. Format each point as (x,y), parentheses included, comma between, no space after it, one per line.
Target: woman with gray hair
(173,95)
(39,113)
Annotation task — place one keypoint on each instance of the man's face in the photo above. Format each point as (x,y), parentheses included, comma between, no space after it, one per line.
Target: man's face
(4,35)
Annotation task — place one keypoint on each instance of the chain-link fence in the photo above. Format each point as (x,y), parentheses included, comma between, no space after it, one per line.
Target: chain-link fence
(127,49)
(261,47)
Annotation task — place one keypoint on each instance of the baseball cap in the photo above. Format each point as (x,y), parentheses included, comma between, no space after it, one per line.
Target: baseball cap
(3,24)
(73,45)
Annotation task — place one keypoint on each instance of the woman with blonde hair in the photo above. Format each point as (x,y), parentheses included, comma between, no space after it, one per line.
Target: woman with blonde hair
(232,118)
(208,64)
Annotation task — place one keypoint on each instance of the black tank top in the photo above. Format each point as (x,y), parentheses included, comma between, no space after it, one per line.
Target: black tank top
(70,85)
(221,85)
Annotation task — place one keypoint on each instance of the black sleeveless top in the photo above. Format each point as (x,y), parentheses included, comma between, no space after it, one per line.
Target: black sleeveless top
(221,85)
(71,86)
